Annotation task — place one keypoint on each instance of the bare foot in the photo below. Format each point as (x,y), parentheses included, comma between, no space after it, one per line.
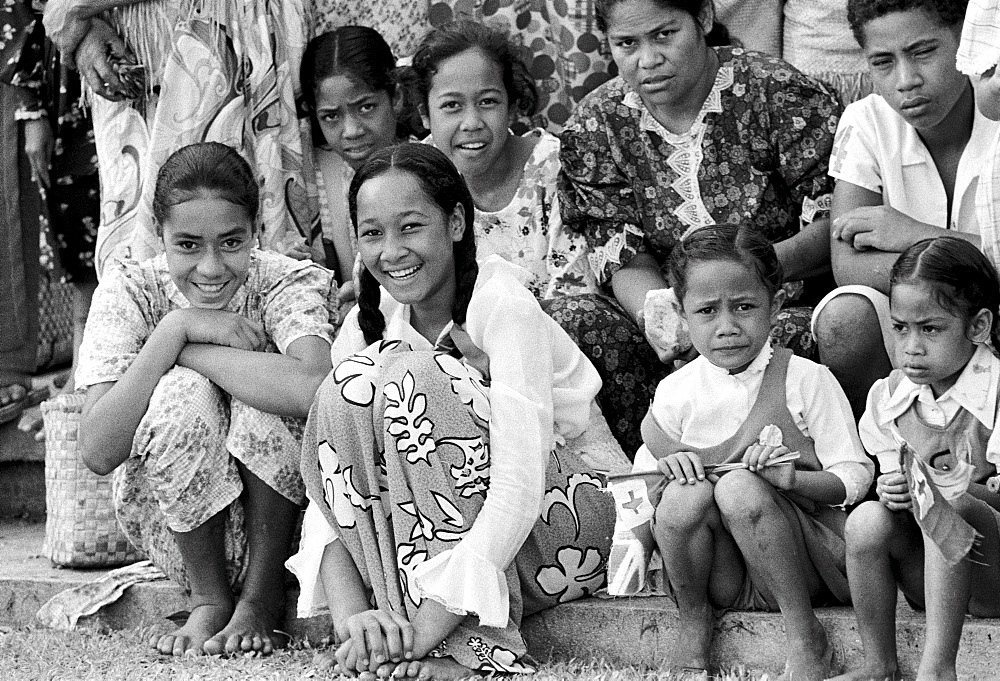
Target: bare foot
(868,673)
(808,657)
(250,629)
(204,622)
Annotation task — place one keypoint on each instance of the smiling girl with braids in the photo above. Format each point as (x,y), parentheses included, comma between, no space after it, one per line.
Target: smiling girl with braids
(485,414)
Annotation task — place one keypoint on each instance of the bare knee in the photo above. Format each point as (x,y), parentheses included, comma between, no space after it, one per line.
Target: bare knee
(683,507)
(743,496)
(847,328)
(870,528)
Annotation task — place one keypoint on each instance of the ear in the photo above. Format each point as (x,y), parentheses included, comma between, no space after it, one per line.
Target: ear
(706,16)
(425,119)
(980,326)
(776,302)
(456,223)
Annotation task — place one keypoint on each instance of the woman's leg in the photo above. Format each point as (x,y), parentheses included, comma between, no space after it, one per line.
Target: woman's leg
(270,523)
(884,548)
(173,498)
(702,562)
(778,562)
(970,585)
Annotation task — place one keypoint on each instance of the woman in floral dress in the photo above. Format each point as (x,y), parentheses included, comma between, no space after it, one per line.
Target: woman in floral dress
(450,458)
(689,135)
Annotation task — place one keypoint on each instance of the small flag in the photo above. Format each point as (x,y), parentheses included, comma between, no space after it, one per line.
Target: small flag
(937,518)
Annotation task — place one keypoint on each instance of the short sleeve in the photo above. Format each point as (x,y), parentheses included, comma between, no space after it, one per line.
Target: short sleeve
(302,303)
(596,196)
(118,325)
(879,440)
(803,131)
(854,156)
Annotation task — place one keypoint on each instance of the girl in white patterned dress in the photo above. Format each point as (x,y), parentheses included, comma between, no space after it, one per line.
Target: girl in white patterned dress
(470,86)
(196,364)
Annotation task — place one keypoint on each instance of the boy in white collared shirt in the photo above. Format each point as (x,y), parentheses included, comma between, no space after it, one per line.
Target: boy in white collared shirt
(907,161)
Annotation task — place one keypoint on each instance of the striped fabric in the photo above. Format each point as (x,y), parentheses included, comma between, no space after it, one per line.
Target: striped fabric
(980,47)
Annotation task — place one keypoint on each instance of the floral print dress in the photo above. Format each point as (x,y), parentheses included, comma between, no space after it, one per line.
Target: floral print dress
(182,468)
(756,155)
(478,493)
(529,230)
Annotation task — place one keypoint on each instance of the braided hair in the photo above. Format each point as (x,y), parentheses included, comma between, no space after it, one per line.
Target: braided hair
(441,182)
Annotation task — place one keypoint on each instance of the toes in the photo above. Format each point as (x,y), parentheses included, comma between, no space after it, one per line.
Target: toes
(213,646)
(165,644)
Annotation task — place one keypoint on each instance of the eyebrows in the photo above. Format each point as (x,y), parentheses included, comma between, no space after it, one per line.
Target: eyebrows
(239,230)
(915,46)
(398,217)
(622,34)
(360,99)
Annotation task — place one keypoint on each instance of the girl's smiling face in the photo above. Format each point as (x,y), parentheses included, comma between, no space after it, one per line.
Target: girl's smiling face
(407,241)
(729,312)
(468,111)
(208,242)
(933,344)
(355,119)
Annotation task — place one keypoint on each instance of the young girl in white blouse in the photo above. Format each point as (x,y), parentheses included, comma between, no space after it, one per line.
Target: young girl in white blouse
(457,410)
(763,536)
(932,425)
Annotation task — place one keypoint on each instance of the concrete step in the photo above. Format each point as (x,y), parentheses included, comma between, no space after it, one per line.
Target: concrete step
(633,632)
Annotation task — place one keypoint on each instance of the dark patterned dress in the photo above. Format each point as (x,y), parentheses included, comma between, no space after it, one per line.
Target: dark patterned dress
(53,91)
(756,155)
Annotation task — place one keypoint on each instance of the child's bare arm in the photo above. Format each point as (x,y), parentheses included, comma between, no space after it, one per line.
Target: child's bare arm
(283,384)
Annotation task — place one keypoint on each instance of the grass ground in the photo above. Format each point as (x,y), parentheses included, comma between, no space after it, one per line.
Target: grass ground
(43,655)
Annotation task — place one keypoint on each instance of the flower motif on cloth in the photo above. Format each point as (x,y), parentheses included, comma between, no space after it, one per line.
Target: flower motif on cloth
(339,492)
(560,497)
(579,572)
(356,375)
(405,418)
(473,476)
(497,658)
(687,152)
(409,558)
(470,386)
(425,527)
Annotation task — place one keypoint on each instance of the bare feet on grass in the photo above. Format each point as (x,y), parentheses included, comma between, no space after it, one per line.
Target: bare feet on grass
(204,622)
(428,669)
(869,673)
(694,639)
(251,629)
(809,657)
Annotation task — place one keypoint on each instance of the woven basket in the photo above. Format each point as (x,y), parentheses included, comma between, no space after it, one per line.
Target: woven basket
(81,529)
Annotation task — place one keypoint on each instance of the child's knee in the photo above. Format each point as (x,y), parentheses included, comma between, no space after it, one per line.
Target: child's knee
(869,527)
(845,321)
(741,494)
(683,507)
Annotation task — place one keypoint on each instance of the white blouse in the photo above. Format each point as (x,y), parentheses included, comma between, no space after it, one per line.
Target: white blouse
(702,405)
(542,391)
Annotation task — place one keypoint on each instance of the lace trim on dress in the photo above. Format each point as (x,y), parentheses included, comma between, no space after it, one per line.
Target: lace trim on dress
(687,154)
(611,251)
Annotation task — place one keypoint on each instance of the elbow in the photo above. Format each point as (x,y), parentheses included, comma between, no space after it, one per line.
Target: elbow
(95,453)
(96,463)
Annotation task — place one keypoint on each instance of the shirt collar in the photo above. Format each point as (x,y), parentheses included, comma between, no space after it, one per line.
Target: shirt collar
(914,151)
(756,367)
(975,391)
(712,104)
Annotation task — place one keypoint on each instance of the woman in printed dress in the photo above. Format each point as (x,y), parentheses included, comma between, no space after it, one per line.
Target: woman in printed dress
(167,73)
(688,135)
(463,410)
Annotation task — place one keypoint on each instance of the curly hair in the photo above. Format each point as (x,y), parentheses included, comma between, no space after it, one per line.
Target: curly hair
(442,182)
(717,37)
(456,37)
(201,170)
(860,12)
(736,243)
(963,279)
